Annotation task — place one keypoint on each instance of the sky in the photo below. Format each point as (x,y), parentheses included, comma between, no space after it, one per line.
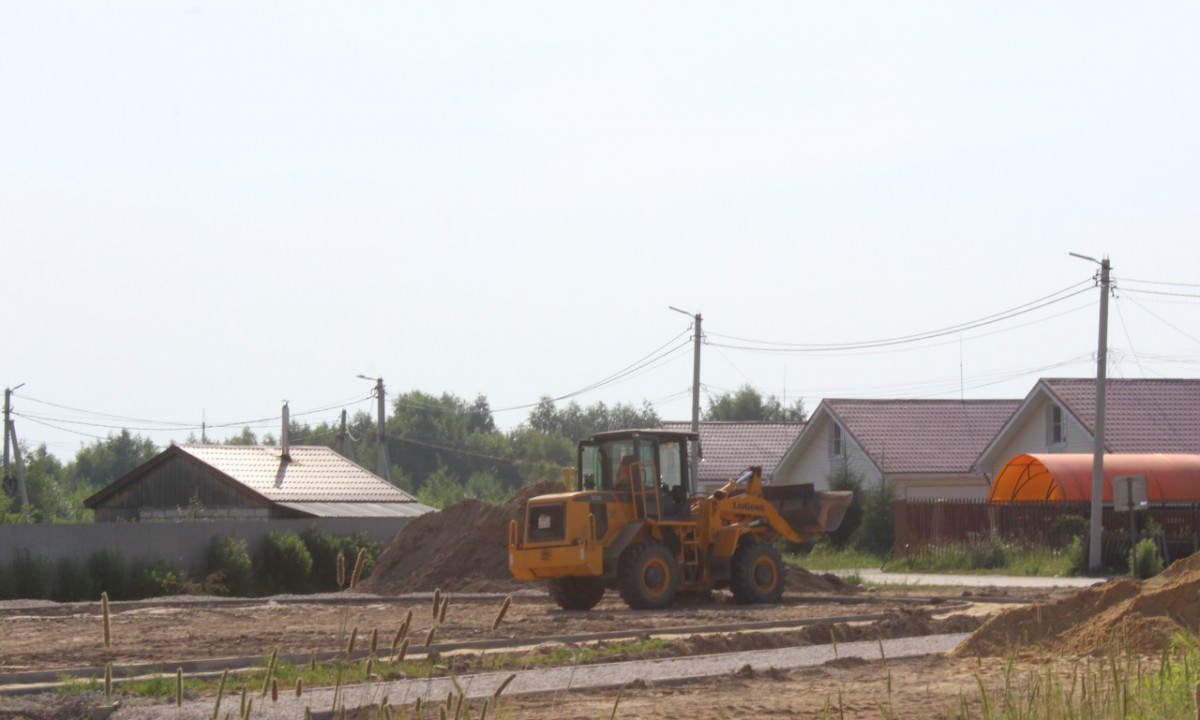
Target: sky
(210,208)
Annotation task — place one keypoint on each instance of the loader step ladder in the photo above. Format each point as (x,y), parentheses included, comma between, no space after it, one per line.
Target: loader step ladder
(689,567)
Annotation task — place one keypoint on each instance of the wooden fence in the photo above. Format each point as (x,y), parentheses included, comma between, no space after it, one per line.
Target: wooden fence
(924,525)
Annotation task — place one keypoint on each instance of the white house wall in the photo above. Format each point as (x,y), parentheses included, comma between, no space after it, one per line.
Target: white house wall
(965,487)
(815,466)
(1029,436)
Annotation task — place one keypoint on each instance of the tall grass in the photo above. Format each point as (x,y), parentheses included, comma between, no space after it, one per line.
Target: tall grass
(1126,686)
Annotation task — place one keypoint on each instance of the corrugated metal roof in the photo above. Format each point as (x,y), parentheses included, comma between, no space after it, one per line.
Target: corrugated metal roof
(1140,416)
(349,509)
(731,447)
(313,475)
(923,436)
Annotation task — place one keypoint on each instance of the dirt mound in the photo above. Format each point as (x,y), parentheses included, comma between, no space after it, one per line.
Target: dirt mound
(1122,614)
(463,548)
(799,580)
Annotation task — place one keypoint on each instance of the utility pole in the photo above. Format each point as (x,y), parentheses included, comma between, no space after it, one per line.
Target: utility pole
(344,439)
(1097,508)
(695,456)
(384,468)
(12,448)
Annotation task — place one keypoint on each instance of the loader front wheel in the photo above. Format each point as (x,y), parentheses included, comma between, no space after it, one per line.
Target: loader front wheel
(647,576)
(577,593)
(756,573)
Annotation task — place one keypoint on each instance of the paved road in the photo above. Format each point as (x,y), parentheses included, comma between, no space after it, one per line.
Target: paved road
(556,680)
(880,577)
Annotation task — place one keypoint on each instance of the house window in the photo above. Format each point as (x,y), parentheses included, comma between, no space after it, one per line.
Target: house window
(837,443)
(1056,428)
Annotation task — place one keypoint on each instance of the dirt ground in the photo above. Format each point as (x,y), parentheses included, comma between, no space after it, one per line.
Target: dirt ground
(70,636)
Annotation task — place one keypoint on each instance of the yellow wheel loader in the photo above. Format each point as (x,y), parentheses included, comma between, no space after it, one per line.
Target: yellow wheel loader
(627,520)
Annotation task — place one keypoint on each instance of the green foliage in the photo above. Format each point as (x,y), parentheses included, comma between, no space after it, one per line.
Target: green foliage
(876,532)
(287,562)
(843,477)
(1067,528)
(987,554)
(245,437)
(71,582)
(441,489)
(1144,560)
(230,556)
(1077,554)
(108,573)
(146,579)
(8,589)
(576,423)
(324,549)
(31,575)
(747,404)
(103,461)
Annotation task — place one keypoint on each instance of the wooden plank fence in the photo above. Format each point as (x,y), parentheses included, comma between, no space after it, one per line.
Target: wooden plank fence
(924,525)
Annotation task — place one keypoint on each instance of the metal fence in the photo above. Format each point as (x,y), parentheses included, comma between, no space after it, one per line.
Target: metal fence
(181,544)
(924,526)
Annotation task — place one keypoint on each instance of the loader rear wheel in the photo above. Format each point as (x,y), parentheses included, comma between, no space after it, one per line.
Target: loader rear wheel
(756,573)
(577,593)
(647,576)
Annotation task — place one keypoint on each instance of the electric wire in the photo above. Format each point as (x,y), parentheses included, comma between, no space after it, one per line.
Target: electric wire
(1023,309)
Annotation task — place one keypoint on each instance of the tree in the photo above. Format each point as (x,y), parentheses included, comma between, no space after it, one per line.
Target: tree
(103,461)
(575,422)
(747,404)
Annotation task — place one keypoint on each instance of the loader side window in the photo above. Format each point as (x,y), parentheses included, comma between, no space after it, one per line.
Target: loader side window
(591,468)
(670,465)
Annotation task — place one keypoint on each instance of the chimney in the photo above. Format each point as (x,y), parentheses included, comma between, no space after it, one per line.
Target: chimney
(285,443)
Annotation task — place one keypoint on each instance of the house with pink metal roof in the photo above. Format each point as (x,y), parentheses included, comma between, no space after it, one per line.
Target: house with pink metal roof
(250,482)
(1059,416)
(728,448)
(924,448)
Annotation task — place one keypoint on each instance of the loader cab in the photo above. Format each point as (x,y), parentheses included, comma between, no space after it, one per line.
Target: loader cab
(650,466)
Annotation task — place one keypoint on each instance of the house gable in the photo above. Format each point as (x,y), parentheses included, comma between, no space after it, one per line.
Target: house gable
(1141,416)
(928,446)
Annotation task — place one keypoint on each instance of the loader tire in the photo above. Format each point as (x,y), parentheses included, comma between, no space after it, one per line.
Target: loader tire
(756,573)
(647,576)
(577,593)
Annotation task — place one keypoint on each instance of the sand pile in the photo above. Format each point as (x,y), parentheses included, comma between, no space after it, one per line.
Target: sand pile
(463,547)
(1123,614)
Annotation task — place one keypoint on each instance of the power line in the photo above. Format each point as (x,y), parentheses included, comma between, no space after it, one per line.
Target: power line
(1160,282)
(782,347)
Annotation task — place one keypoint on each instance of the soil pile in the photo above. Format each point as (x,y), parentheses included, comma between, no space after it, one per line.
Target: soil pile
(461,548)
(799,580)
(1123,614)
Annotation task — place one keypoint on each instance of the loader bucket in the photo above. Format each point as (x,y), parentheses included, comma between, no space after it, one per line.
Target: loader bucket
(809,513)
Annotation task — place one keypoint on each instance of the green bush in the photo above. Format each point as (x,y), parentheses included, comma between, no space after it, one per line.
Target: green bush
(324,549)
(986,554)
(1077,551)
(1066,528)
(287,563)
(31,576)
(7,584)
(108,573)
(1144,561)
(844,478)
(231,557)
(876,532)
(71,582)
(146,579)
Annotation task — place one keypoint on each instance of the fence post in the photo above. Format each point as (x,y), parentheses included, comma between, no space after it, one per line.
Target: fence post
(902,535)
